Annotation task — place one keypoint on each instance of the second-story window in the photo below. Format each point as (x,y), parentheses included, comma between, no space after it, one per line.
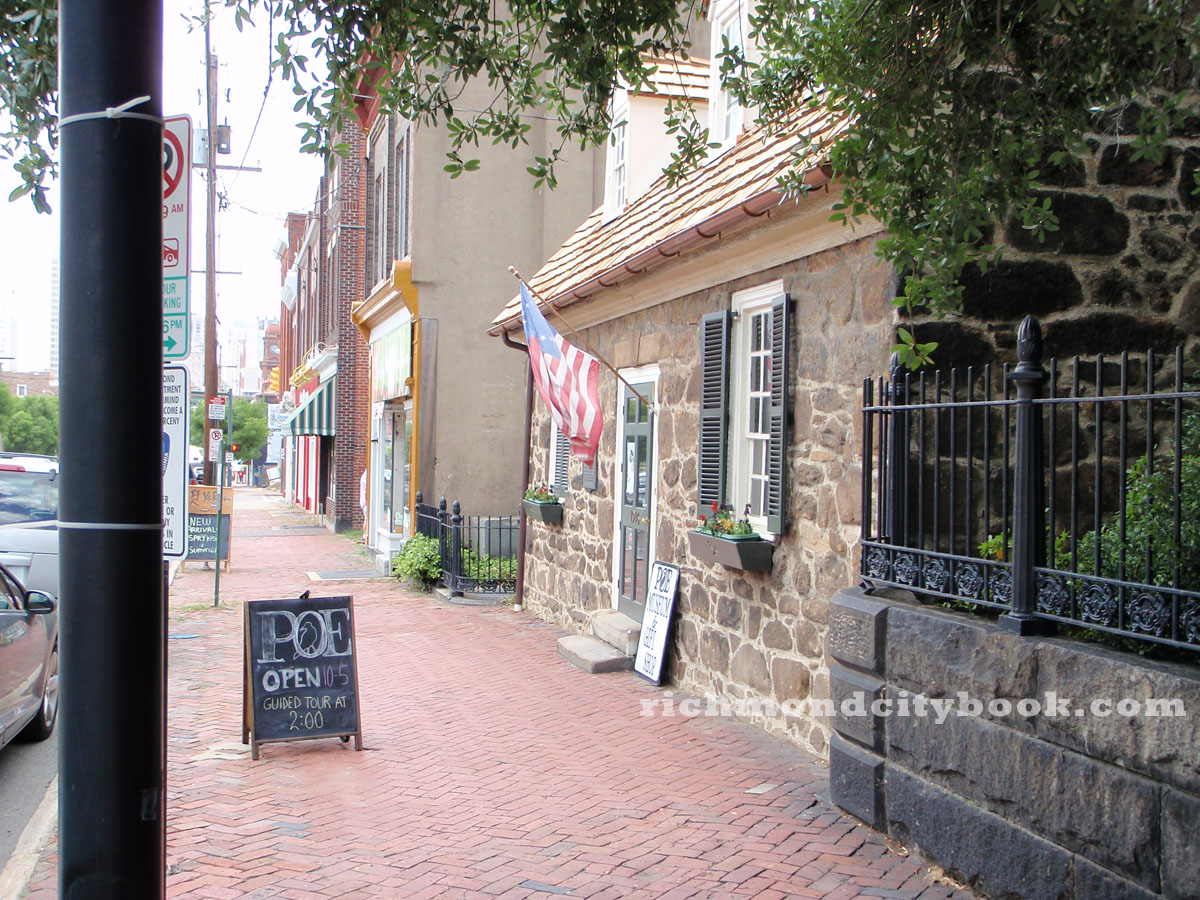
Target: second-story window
(728,31)
(380,245)
(616,184)
(400,217)
(379,239)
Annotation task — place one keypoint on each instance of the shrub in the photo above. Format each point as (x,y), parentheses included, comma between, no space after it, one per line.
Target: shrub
(491,568)
(420,562)
(1149,552)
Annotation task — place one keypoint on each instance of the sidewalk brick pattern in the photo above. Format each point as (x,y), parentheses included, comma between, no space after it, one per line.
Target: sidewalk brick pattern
(490,767)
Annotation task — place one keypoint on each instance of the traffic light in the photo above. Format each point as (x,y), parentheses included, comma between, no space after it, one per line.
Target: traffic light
(274,382)
(234,448)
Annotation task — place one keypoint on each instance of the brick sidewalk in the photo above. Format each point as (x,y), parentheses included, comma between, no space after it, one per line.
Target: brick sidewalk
(490,768)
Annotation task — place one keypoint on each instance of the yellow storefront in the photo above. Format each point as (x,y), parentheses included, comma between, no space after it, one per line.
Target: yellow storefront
(388,320)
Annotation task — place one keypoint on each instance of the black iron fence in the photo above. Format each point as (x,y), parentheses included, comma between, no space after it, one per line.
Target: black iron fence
(478,552)
(1065,493)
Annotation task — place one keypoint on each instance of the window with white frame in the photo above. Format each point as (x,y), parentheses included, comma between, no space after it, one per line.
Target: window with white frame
(22,390)
(729,29)
(743,407)
(381,263)
(616,181)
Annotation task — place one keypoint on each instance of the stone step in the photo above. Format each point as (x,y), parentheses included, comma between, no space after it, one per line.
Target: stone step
(592,655)
(618,629)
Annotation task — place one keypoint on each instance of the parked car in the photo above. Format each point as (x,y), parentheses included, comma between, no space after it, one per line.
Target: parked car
(29,519)
(28,488)
(28,661)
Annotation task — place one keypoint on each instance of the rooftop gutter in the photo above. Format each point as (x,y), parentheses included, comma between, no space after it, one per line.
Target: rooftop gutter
(753,207)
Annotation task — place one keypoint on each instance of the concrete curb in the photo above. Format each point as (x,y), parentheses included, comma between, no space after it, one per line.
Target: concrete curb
(14,878)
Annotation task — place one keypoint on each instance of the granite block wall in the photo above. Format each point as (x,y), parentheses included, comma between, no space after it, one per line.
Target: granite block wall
(960,740)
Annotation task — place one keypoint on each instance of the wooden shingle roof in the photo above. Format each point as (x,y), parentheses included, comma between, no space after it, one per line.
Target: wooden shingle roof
(675,77)
(740,184)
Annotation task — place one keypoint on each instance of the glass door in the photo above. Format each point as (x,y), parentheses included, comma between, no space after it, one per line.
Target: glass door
(635,481)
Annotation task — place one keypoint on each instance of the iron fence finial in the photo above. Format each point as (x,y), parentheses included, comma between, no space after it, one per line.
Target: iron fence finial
(1029,341)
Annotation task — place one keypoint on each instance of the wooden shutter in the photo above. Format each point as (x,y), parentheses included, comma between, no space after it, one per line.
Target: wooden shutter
(561,454)
(714,406)
(591,473)
(777,449)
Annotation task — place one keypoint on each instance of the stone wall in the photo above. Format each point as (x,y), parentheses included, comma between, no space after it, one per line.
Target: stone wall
(1068,803)
(739,635)
(1120,273)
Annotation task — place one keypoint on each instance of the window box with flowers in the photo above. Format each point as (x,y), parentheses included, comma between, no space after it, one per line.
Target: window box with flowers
(730,542)
(541,504)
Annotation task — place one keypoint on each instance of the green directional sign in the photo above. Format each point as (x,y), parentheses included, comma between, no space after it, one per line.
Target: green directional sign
(176,334)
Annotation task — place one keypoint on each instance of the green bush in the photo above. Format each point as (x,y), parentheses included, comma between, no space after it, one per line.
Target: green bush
(492,568)
(420,562)
(1149,523)
(1150,543)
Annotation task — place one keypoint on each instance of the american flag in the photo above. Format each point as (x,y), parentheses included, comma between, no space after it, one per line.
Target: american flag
(567,379)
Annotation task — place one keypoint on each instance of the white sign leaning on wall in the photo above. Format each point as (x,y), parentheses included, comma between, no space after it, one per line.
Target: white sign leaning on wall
(656,621)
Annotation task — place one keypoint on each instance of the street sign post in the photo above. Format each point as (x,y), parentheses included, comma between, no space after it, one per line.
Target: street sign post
(176,229)
(174,463)
(216,409)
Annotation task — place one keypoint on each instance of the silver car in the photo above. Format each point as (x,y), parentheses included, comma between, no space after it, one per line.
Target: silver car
(28,661)
(29,519)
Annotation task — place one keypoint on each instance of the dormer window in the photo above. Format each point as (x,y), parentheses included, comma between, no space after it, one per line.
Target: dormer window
(729,29)
(616,182)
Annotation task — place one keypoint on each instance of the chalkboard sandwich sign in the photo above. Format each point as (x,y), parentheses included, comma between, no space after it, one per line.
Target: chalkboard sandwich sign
(301,672)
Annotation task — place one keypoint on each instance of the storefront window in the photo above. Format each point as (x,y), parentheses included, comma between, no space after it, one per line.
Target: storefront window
(385,518)
(399,471)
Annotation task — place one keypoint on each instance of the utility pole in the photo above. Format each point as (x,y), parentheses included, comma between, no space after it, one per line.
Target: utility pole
(112,617)
(212,375)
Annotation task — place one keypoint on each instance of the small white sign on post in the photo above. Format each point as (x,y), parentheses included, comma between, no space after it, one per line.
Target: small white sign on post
(216,437)
(216,409)
(656,621)
(174,462)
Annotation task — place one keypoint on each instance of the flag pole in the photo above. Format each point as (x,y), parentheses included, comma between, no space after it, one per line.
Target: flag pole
(588,347)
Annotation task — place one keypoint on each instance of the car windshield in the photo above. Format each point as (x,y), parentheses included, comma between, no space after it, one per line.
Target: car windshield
(28,496)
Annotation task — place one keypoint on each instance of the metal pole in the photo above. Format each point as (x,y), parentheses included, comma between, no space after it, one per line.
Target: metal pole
(519,599)
(112,764)
(1029,518)
(212,376)
(225,441)
(897,486)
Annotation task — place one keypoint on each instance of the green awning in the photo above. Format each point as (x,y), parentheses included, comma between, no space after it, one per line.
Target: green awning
(315,416)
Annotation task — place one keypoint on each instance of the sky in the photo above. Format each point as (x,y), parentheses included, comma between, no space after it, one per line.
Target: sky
(251,224)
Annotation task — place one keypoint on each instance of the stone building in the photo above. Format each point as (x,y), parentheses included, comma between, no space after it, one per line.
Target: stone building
(679,292)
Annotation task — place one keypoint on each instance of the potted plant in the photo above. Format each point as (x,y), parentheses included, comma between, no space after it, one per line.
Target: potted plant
(542,505)
(731,542)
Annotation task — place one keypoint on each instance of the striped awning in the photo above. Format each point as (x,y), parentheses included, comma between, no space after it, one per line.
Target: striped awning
(315,416)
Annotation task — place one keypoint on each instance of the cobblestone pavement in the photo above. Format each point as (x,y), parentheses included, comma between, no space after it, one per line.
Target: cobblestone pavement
(490,767)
